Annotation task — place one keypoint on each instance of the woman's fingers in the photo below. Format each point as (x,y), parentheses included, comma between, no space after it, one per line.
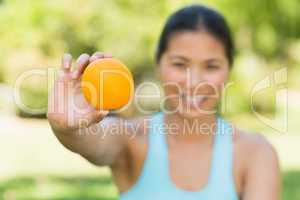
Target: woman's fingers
(66,62)
(96,56)
(99,55)
(82,62)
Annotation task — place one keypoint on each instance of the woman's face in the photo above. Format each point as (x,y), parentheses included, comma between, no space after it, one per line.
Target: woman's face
(193,71)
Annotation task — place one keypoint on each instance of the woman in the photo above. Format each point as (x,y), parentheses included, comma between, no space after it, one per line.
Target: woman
(198,155)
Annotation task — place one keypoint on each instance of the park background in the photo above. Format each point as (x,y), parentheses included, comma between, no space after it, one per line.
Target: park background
(36,33)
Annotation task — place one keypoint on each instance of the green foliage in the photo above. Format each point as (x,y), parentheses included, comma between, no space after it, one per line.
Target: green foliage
(37,33)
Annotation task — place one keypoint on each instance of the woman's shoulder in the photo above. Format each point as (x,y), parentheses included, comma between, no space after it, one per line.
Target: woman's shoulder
(256,163)
(256,143)
(254,149)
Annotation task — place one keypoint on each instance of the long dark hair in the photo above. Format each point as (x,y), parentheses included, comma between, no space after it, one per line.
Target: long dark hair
(195,18)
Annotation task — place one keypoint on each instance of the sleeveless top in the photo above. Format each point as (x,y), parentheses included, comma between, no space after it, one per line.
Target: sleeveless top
(155,182)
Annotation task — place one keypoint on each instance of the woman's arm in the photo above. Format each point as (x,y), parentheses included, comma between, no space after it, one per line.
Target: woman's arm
(100,143)
(77,125)
(262,181)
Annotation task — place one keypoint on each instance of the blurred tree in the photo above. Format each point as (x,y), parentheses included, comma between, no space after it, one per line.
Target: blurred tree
(36,33)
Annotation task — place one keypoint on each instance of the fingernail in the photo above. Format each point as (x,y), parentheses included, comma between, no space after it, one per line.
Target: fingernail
(93,58)
(83,57)
(66,61)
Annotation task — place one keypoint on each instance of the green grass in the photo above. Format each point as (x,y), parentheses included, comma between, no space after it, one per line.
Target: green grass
(291,185)
(58,188)
(94,188)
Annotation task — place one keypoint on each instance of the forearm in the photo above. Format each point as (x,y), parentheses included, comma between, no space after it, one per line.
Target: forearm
(76,140)
(96,142)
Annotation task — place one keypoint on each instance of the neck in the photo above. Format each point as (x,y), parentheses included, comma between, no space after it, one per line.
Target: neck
(183,128)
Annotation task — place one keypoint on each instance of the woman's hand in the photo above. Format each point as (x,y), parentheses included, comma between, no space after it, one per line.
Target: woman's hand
(68,109)
(76,123)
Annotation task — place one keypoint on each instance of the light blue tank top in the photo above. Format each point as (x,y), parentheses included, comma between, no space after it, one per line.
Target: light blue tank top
(155,181)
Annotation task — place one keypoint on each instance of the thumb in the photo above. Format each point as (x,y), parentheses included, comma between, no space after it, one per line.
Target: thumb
(98,115)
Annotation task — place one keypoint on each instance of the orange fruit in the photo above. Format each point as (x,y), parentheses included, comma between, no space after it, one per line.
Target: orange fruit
(107,84)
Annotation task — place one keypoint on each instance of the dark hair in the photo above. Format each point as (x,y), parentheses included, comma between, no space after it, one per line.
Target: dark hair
(194,18)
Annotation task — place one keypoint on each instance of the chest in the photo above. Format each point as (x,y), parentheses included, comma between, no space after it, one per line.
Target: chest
(189,165)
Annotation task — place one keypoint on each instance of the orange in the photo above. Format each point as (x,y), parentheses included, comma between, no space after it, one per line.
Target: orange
(107,84)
